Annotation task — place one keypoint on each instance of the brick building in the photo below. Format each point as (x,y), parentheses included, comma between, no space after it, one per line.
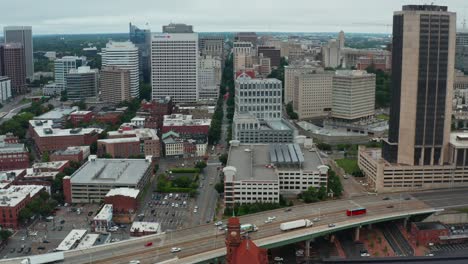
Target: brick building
(76,154)
(48,138)
(109,117)
(124,200)
(155,110)
(119,147)
(13,65)
(145,228)
(81,117)
(103,220)
(424,233)
(12,154)
(58,166)
(149,140)
(185,125)
(13,200)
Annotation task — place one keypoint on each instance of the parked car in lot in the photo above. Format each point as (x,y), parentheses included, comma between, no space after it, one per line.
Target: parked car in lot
(40,248)
(218,223)
(90,213)
(148,244)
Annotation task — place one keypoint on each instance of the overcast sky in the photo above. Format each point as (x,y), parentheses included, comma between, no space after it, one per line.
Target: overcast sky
(112,16)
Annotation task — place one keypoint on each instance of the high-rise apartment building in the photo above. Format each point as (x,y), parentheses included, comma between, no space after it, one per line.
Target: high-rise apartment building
(259,97)
(142,40)
(12,65)
(312,96)
(353,95)
(177,28)
(174,66)
(125,56)
(115,84)
(23,35)
(422,82)
(461,61)
(82,83)
(243,52)
(212,46)
(290,73)
(62,67)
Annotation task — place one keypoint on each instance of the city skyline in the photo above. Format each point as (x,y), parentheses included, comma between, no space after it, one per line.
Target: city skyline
(51,17)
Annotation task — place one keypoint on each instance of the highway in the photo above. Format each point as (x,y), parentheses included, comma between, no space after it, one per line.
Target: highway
(205,238)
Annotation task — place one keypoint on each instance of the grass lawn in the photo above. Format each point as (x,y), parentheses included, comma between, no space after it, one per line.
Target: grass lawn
(349,165)
(383,117)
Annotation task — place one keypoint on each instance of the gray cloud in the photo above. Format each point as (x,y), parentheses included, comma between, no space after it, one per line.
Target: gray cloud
(98,16)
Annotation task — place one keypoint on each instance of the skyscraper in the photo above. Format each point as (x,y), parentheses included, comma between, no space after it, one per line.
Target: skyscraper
(12,65)
(125,56)
(62,67)
(115,84)
(142,39)
(174,66)
(422,81)
(23,35)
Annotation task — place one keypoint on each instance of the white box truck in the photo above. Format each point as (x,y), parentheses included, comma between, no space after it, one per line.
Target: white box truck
(295,224)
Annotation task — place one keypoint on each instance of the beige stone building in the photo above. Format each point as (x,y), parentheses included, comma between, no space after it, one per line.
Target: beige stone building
(353,95)
(115,84)
(313,94)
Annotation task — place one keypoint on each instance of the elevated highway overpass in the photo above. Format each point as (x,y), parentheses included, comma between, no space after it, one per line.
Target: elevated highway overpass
(205,242)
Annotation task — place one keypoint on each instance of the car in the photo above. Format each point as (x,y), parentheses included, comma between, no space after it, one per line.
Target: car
(278,259)
(196,206)
(331,225)
(23,238)
(268,221)
(177,205)
(60,228)
(390,206)
(272,218)
(300,253)
(195,211)
(172,204)
(288,210)
(175,249)
(134,262)
(90,213)
(12,250)
(221,227)
(184,202)
(62,222)
(40,248)
(407,198)
(430,255)
(149,244)
(46,241)
(316,219)
(386,198)
(218,223)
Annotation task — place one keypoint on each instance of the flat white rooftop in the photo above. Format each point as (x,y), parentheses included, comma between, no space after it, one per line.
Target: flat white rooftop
(55,165)
(88,241)
(71,239)
(57,113)
(128,192)
(105,214)
(145,227)
(44,128)
(119,140)
(15,194)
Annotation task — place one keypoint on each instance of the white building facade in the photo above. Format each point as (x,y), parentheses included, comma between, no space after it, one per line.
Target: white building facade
(62,67)
(5,88)
(174,66)
(124,55)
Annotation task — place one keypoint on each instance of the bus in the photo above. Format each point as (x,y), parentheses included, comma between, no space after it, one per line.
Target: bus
(247,228)
(357,211)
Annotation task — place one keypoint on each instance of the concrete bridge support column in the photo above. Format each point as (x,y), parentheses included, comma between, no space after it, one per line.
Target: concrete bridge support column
(356,233)
(405,222)
(307,248)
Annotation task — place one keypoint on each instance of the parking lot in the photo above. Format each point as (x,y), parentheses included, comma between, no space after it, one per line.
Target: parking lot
(172,211)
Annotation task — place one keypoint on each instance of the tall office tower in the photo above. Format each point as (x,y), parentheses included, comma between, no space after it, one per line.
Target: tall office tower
(247,37)
(114,84)
(290,73)
(209,77)
(331,54)
(5,88)
(461,61)
(177,28)
(353,95)
(259,97)
(422,81)
(62,67)
(270,52)
(125,56)
(243,53)
(174,66)
(23,35)
(82,83)
(212,46)
(142,39)
(12,65)
(341,40)
(312,95)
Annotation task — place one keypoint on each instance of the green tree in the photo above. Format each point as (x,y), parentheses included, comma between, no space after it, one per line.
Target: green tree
(81,104)
(219,187)
(223,159)
(310,195)
(200,165)
(322,193)
(63,96)
(25,214)
(45,157)
(182,182)
(290,111)
(145,91)
(5,234)
(334,184)
(324,146)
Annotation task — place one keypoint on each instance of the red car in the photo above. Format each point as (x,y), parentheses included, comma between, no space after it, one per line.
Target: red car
(149,244)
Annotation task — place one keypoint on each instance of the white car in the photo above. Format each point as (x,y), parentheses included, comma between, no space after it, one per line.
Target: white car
(331,225)
(278,259)
(196,206)
(268,221)
(316,219)
(172,204)
(176,205)
(175,249)
(218,223)
(134,262)
(195,211)
(272,218)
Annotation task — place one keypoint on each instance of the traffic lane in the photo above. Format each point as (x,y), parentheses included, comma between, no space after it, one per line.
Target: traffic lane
(268,230)
(445,198)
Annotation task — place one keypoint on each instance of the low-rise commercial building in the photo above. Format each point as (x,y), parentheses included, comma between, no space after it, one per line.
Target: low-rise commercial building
(13,200)
(92,181)
(176,146)
(72,240)
(155,111)
(48,138)
(12,155)
(426,233)
(103,220)
(58,116)
(119,147)
(76,154)
(249,129)
(185,125)
(148,138)
(261,172)
(58,166)
(81,117)
(145,228)
(123,200)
